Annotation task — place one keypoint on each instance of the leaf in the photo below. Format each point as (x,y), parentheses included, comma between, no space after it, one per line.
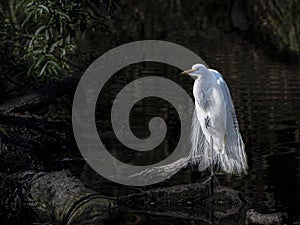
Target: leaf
(30,45)
(50,32)
(22,3)
(3,131)
(43,69)
(44,7)
(55,70)
(50,56)
(109,6)
(63,52)
(39,30)
(47,35)
(30,69)
(27,18)
(53,46)
(54,64)
(68,39)
(39,62)
(64,15)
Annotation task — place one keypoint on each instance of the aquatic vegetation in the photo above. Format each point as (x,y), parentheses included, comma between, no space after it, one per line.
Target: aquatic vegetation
(279,20)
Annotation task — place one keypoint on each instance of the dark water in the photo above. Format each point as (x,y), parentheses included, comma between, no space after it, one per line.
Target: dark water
(266,94)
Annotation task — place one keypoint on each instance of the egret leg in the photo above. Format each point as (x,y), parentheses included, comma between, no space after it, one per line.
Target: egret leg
(212,173)
(212,176)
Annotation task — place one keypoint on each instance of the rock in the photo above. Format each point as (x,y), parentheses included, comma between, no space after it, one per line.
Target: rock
(254,217)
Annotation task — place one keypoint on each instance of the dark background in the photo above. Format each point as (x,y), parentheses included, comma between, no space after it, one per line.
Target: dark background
(254,44)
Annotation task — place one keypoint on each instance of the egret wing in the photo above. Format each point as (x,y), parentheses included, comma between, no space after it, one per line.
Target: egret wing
(234,156)
(199,154)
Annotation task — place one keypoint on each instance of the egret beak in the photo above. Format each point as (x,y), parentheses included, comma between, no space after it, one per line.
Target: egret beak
(187,72)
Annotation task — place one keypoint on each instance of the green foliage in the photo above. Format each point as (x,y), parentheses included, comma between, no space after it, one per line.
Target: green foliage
(41,34)
(52,26)
(9,200)
(281,19)
(10,51)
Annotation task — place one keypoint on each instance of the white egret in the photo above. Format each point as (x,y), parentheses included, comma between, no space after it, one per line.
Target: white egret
(215,136)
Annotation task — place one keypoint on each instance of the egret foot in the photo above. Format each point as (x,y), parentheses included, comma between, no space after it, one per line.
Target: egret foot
(212,178)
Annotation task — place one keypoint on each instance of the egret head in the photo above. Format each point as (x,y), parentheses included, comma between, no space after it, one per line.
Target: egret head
(197,70)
